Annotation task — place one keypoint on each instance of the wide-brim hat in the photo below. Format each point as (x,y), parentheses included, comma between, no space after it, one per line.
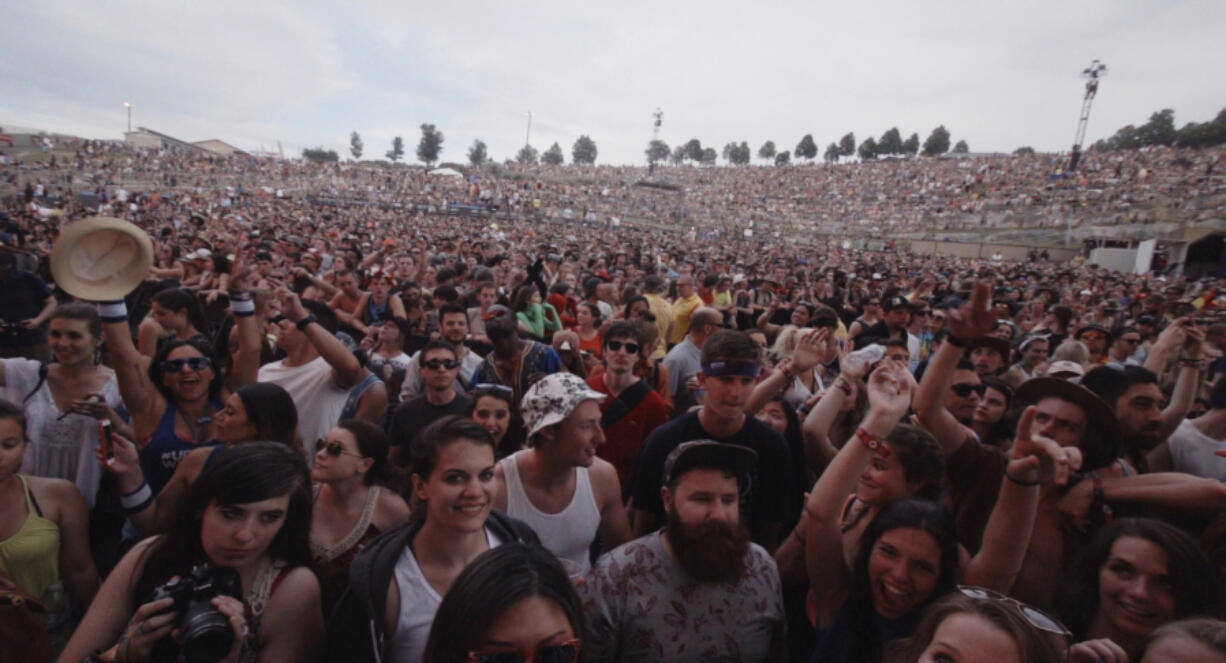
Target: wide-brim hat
(101,258)
(552,399)
(1102,438)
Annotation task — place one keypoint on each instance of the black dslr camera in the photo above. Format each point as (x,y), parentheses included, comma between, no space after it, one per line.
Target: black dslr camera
(205,633)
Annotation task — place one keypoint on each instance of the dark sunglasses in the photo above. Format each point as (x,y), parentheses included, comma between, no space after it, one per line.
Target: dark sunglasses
(566,652)
(484,388)
(333,449)
(194,363)
(1037,618)
(436,364)
(631,348)
(963,389)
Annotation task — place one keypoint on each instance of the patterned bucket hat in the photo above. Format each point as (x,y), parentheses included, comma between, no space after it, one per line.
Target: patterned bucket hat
(553,398)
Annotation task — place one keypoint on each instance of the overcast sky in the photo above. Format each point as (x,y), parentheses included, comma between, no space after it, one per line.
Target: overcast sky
(999,75)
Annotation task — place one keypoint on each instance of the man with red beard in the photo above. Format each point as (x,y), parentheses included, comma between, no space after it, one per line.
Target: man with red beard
(698,590)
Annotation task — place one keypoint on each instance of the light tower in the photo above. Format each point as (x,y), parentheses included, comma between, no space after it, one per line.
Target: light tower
(128,105)
(1092,74)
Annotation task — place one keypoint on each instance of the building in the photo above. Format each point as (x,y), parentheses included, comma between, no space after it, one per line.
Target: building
(219,147)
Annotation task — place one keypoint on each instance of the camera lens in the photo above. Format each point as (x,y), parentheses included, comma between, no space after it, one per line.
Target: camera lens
(207,635)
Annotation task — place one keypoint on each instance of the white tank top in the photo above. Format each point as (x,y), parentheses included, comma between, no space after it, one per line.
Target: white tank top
(568,533)
(418,603)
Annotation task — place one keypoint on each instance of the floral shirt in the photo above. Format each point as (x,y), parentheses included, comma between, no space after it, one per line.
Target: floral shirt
(642,606)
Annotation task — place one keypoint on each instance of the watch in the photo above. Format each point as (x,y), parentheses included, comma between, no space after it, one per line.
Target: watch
(302,324)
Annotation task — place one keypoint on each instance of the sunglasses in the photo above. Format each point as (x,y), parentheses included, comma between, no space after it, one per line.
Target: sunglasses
(631,348)
(566,652)
(194,363)
(333,449)
(964,389)
(436,364)
(1037,618)
(491,388)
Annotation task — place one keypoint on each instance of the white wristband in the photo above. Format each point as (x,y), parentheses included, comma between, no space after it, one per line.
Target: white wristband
(242,308)
(113,311)
(137,499)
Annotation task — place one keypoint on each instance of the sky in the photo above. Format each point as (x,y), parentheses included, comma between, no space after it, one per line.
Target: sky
(998,75)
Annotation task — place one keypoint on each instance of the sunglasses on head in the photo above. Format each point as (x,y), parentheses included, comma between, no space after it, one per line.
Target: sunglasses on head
(436,364)
(964,389)
(333,449)
(566,652)
(491,388)
(631,348)
(1037,618)
(194,363)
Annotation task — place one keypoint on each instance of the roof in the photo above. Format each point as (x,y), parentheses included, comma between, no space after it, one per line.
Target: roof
(218,147)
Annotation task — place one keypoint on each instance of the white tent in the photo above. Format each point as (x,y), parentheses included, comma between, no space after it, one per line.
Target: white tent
(448,172)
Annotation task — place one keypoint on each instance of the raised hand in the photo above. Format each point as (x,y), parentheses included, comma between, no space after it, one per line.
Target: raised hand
(810,348)
(890,388)
(1035,458)
(973,320)
(124,457)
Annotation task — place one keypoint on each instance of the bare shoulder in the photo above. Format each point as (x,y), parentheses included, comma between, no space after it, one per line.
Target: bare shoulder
(604,478)
(54,495)
(297,591)
(390,510)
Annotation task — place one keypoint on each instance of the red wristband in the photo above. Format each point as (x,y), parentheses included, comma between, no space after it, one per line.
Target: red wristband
(874,444)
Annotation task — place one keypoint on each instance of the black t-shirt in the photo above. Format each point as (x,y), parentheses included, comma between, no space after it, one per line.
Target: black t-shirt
(412,417)
(24,297)
(766,499)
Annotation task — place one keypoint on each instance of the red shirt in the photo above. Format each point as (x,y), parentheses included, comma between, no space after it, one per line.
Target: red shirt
(624,439)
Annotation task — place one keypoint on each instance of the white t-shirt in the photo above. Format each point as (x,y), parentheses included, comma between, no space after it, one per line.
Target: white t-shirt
(318,399)
(1193,452)
(418,604)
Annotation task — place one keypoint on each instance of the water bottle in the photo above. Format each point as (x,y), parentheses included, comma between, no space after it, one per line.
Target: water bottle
(859,361)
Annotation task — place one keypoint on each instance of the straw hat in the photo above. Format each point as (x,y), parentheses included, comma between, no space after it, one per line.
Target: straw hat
(101,258)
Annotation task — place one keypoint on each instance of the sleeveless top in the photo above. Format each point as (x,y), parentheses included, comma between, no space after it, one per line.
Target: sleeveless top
(355,396)
(166,448)
(374,311)
(331,562)
(32,555)
(266,581)
(568,533)
(418,604)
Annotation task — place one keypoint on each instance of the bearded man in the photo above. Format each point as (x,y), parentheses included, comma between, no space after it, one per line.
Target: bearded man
(697,590)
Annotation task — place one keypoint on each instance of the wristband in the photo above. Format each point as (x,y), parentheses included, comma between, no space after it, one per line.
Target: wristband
(242,307)
(302,324)
(955,341)
(1024,484)
(788,373)
(113,311)
(842,384)
(874,444)
(240,296)
(137,500)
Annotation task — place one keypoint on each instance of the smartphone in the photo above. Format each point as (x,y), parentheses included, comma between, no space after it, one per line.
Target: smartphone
(108,442)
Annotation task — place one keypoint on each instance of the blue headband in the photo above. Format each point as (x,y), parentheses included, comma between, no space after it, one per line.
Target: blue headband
(733,367)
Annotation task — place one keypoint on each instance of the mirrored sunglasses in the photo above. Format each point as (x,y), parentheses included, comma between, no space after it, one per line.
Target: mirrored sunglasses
(194,363)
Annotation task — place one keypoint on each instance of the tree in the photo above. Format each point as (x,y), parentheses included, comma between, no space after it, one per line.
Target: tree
(783,158)
(319,154)
(847,145)
(890,143)
(1024,151)
(868,149)
(583,151)
(937,142)
(911,145)
(1160,130)
(397,150)
(726,153)
(806,148)
(832,153)
(961,148)
(742,155)
(553,155)
(767,151)
(678,155)
(477,154)
(355,145)
(527,155)
(430,146)
(693,149)
(1203,134)
(657,150)
(708,156)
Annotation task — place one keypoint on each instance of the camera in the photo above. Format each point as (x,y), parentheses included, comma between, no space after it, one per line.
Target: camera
(206,635)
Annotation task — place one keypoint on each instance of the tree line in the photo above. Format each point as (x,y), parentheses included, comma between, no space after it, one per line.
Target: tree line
(891,143)
(1160,130)
(430,148)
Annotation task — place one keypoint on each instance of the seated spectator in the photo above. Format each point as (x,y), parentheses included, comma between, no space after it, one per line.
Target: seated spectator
(514,600)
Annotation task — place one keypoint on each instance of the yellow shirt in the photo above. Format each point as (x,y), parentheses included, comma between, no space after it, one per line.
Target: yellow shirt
(663,311)
(682,310)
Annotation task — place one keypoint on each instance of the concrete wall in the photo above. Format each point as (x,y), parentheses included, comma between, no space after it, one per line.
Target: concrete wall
(967,250)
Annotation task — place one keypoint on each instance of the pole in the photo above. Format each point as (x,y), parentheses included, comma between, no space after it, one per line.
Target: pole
(128,105)
(528,136)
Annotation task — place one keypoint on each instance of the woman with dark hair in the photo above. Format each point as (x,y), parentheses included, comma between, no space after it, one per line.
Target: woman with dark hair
(588,329)
(1136,575)
(514,601)
(250,511)
(535,318)
(351,509)
(175,314)
(61,441)
(491,407)
(397,583)
(258,411)
(991,421)
(908,554)
(174,396)
(975,625)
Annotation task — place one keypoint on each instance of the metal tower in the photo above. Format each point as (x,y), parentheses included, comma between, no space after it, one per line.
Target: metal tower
(1092,74)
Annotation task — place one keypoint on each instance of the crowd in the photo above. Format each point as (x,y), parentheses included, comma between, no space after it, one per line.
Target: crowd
(371,432)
